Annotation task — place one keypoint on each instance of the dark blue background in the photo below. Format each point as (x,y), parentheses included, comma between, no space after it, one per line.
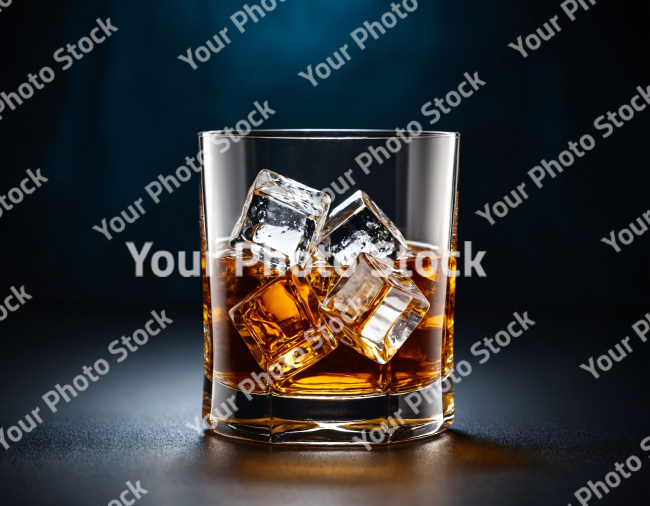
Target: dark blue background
(130,111)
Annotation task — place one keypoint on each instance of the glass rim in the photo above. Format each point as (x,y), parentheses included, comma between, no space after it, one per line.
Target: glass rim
(317,134)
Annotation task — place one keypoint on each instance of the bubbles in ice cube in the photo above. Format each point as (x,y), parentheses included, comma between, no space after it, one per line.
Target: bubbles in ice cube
(280,220)
(359,226)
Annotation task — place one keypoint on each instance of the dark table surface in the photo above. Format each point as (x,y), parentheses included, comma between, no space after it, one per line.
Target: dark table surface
(531,427)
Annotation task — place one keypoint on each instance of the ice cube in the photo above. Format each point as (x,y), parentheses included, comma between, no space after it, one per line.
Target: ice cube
(357,226)
(377,305)
(281,220)
(281,325)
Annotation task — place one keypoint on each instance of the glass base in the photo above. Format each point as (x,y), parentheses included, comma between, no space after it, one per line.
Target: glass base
(382,419)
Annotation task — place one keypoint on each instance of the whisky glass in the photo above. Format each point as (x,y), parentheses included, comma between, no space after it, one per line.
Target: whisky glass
(345,398)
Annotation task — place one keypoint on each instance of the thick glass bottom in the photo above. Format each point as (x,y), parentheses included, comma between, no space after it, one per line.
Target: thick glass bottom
(327,420)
